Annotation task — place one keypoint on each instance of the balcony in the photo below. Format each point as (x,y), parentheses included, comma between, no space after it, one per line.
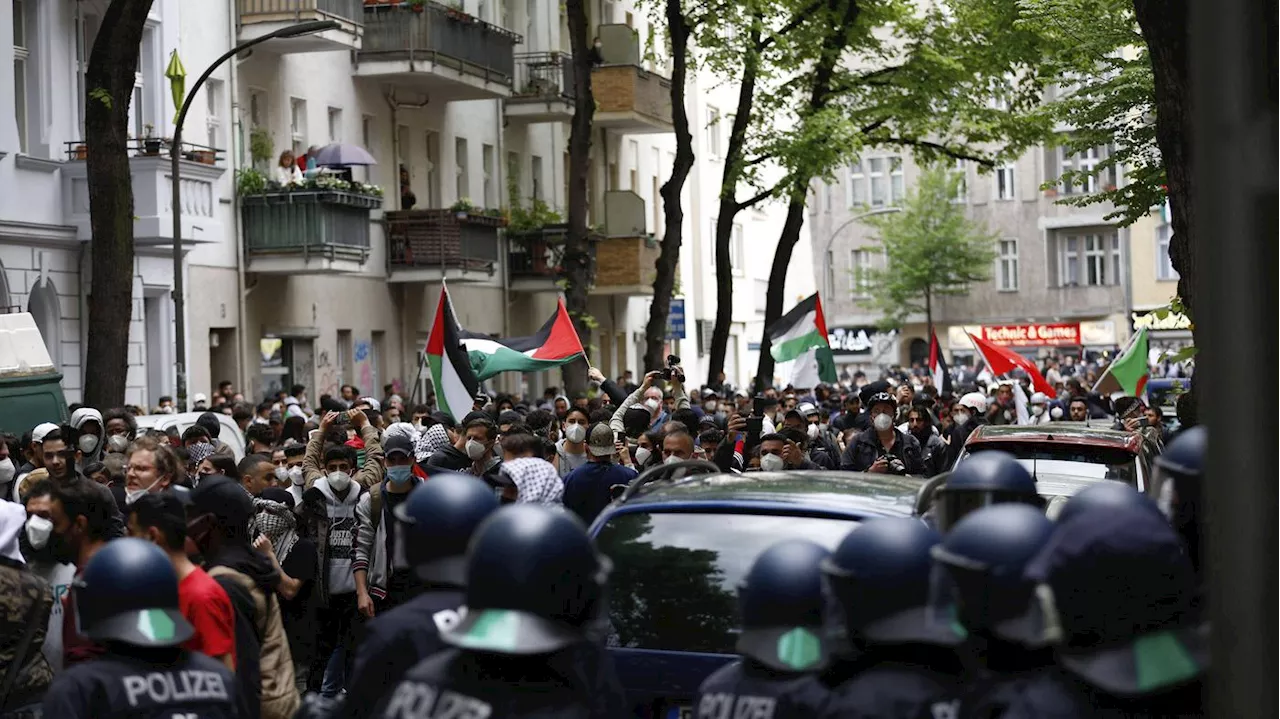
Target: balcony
(629,99)
(307,232)
(436,50)
(626,259)
(432,245)
(534,257)
(543,90)
(260,17)
(149,168)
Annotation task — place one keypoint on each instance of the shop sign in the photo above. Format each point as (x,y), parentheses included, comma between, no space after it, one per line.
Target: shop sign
(1171,322)
(1033,335)
(1100,333)
(856,341)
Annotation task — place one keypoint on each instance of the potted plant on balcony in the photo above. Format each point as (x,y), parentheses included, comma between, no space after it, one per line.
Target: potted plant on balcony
(462,208)
(455,12)
(150,145)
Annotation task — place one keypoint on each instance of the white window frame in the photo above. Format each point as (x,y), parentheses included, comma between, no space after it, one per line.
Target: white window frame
(961,168)
(1070,259)
(877,176)
(738,250)
(213,112)
(298,125)
(1116,258)
(1087,160)
(1005,180)
(897,181)
(1007,266)
(714,146)
(535,169)
(489,174)
(21,59)
(856,184)
(829,278)
(461,171)
(334,117)
(1164,263)
(859,263)
(1095,260)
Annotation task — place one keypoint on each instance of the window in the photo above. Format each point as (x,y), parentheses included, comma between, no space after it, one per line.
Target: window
(489,168)
(875,181)
(876,171)
(761,295)
(432,151)
(344,357)
(961,173)
(897,186)
(366,132)
(257,108)
(828,196)
(1086,161)
(335,124)
(1004,182)
(1007,266)
(713,132)
(675,574)
(1164,264)
(1071,262)
(1095,260)
(634,173)
(213,114)
(461,179)
(21,56)
(1116,266)
(536,170)
(738,250)
(829,276)
(859,267)
(140,110)
(298,125)
(857,185)
(1090,260)
(377,351)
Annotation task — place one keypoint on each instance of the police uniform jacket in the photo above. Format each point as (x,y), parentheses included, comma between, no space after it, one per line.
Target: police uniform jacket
(920,683)
(184,685)
(747,689)
(1055,694)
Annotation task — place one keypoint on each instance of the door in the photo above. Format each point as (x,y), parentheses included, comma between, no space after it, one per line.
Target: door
(156,310)
(302,364)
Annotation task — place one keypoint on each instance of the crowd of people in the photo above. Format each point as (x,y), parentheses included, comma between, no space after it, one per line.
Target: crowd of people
(147,568)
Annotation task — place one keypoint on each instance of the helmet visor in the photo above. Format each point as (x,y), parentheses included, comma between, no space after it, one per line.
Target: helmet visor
(953,506)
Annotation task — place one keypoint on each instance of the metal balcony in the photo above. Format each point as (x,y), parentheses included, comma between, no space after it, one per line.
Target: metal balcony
(431,245)
(543,90)
(307,232)
(260,17)
(535,257)
(437,50)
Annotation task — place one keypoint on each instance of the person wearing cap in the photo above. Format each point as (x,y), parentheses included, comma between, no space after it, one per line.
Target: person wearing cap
(379,586)
(88,424)
(199,402)
(899,659)
(1117,602)
(589,488)
(128,600)
(531,643)
(782,644)
(218,526)
(822,449)
(882,448)
(967,415)
(1039,409)
(433,526)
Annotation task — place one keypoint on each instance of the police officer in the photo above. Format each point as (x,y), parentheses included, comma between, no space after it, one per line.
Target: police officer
(903,661)
(1177,486)
(127,599)
(433,527)
(528,645)
(1128,643)
(782,643)
(1099,495)
(986,478)
(978,571)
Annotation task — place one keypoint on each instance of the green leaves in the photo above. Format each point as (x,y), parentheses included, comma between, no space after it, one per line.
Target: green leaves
(101,95)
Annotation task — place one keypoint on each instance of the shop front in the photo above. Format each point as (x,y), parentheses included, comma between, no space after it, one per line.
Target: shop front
(1166,334)
(862,348)
(1085,340)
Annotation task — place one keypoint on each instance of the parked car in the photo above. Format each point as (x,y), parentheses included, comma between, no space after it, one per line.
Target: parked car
(1073,452)
(680,548)
(230,434)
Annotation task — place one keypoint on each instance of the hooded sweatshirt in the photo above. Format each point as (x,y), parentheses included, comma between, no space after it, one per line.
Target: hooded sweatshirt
(339,547)
(78,419)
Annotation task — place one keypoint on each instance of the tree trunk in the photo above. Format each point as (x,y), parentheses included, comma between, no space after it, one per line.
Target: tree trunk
(578,266)
(1165,26)
(824,71)
(729,208)
(664,282)
(109,84)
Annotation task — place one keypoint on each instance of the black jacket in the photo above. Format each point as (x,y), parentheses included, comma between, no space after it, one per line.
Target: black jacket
(452,459)
(737,688)
(960,435)
(1055,694)
(927,685)
(863,451)
(935,452)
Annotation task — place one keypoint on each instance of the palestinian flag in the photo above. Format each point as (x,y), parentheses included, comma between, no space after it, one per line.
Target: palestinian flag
(1129,371)
(555,344)
(938,366)
(799,332)
(455,384)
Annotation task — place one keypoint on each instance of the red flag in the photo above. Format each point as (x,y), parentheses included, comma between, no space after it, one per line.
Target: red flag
(1001,361)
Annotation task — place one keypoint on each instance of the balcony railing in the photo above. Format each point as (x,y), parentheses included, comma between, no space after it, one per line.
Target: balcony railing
(543,76)
(442,240)
(297,10)
(442,35)
(534,254)
(78,151)
(322,224)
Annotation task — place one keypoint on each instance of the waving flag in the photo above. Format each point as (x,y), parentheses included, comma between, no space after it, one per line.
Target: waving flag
(1002,360)
(938,366)
(796,334)
(555,344)
(455,383)
(1129,371)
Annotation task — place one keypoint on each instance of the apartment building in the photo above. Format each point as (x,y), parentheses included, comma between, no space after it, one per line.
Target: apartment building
(1060,281)
(465,109)
(1155,283)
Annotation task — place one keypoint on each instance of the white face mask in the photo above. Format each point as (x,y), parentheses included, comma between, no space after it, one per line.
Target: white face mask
(133,495)
(652,404)
(813,431)
(7,470)
(572,432)
(117,443)
(281,473)
(38,531)
(672,459)
(960,417)
(338,481)
(87,443)
(642,455)
(709,405)
(475,450)
(772,463)
(295,476)
(1037,409)
(882,422)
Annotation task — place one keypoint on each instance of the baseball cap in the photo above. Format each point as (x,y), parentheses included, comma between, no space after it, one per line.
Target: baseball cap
(224,498)
(600,440)
(806,409)
(374,404)
(199,397)
(37,434)
(708,393)
(397,444)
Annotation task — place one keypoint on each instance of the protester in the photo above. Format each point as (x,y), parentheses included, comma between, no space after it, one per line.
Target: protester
(26,601)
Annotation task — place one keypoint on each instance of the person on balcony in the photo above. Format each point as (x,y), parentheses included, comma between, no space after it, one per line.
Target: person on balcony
(287,172)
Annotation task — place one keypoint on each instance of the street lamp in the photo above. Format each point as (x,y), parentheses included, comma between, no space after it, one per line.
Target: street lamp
(175,152)
(826,251)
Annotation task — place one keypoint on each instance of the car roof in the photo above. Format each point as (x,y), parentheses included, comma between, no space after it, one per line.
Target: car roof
(854,494)
(1077,433)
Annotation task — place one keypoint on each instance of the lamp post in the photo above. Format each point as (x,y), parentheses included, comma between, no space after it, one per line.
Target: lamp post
(826,251)
(175,153)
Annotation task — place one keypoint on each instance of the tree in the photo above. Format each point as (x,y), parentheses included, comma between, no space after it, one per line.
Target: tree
(679,28)
(578,271)
(109,82)
(931,249)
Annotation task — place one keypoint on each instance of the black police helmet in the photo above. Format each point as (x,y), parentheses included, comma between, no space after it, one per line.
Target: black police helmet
(1100,495)
(985,478)
(781,604)
(438,519)
(880,575)
(534,583)
(128,593)
(1184,456)
(983,558)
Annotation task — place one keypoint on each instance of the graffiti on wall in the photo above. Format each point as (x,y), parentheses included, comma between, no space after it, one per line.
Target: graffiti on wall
(364,367)
(327,378)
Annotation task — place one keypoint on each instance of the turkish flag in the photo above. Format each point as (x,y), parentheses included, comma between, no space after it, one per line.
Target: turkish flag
(1002,360)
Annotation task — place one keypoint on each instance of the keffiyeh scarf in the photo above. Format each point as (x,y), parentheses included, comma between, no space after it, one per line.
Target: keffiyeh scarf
(279,523)
(433,440)
(535,479)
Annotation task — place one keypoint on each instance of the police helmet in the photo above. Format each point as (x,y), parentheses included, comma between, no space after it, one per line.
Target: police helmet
(983,479)
(535,583)
(436,522)
(128,593)
(880,575)
(979,565)
(1176,484)
(1102,494)
(781,604)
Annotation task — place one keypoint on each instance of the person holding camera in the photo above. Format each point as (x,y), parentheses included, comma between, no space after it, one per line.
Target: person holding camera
(882,448)
(649,396)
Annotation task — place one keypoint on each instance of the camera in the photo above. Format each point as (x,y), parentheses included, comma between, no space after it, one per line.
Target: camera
(670,370)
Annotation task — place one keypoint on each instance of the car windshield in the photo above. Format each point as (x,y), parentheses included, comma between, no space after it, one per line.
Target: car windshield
(1075,461)
(675,576)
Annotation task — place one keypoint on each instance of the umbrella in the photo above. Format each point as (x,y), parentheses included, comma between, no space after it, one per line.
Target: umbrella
(177,75)
(340,154)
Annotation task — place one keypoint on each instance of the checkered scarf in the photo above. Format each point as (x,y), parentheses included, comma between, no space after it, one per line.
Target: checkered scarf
(537,481)
(199,452)
(279,523)
(433,440)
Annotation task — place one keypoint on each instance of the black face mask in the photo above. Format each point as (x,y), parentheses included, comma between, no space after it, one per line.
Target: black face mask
(60,550)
